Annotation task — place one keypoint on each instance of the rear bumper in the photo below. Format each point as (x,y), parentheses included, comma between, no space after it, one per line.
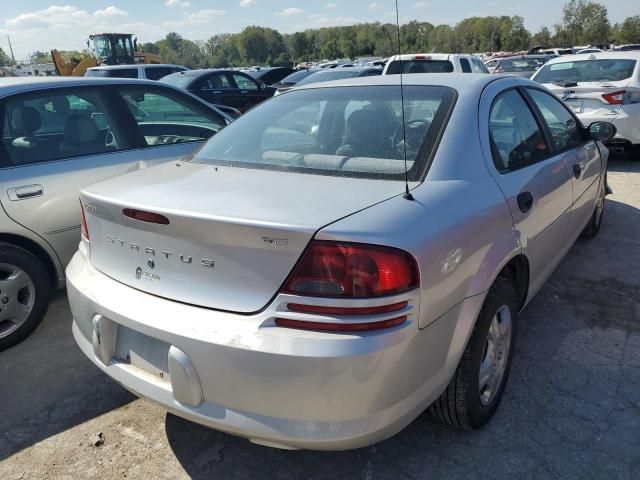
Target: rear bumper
(242,375)
(626,119)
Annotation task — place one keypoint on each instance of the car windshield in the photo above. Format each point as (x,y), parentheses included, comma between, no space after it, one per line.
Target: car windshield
(519,65)
(601,70)
(297,76)
(177,79)
(340,131)
(420,66)
(326,76)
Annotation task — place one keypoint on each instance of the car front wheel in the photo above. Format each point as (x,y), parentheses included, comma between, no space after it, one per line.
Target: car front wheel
(473,395)
(25,289)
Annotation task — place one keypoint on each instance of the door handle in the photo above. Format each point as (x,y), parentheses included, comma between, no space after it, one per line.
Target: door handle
(24,192)
(525,201)
(577,170)
(244,91)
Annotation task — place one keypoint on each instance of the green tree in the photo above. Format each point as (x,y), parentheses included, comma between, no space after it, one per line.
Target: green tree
(628,31)
(583,23)
(4,58)
(543,37)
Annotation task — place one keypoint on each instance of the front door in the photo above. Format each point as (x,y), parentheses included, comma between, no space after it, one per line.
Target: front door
(568,136)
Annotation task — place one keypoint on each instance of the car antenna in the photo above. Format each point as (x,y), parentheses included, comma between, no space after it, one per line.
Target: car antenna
(407,194)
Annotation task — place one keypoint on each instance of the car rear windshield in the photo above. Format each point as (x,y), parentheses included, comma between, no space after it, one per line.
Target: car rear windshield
(295,77)
(114,73)
(601,70)
(519,65)
(420,66)
(339,131)
(328,75)
(177,80)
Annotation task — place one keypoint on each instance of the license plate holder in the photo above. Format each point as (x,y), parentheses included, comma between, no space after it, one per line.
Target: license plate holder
(142,352)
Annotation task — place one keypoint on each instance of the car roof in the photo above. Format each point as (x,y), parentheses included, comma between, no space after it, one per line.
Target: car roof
(122,67)
(457,81)
(595,56)
(345,69)
(10,85)
(432,56)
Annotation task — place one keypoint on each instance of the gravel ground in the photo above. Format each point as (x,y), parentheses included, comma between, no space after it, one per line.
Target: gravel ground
(571,408)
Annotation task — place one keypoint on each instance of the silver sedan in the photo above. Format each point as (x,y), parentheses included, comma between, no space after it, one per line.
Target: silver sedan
(339,259)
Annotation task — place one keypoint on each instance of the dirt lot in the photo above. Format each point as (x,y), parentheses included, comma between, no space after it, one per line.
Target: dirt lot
(571,408)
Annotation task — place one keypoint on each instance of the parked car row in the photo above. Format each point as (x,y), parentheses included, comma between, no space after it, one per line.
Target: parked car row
(312,253)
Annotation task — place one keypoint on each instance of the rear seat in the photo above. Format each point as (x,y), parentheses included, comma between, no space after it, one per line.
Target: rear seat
(338,162)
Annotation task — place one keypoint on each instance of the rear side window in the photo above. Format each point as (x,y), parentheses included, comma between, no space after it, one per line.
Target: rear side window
(59,125)
(169,117)
(516,138)
(156,73)
(339,131)
(565,130)
(219,81)
(477,66)
(244,83)
(419,66)
(601,70)
(466,67)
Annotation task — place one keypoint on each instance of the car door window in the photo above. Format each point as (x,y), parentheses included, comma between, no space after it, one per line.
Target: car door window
(566,131)
(54,125)
(156,73)
(244,83)
(477,66)
(464,63)
(516,138)
(165,116)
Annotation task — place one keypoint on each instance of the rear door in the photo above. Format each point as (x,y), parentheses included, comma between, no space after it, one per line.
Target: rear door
(570,138)
(249,91)
(216,88)
(535,181)
(84,135)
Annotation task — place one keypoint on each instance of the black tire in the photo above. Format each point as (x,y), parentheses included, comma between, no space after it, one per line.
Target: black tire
(595,222)
(460,405)
(37,273)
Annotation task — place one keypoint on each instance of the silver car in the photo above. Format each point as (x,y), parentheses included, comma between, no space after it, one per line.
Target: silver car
(285,284)
(59,135)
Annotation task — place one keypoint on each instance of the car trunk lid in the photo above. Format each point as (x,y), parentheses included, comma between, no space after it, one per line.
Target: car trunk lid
(589,98)
(233,234)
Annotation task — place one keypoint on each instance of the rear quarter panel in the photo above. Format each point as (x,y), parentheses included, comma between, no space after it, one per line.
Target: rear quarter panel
(458,227)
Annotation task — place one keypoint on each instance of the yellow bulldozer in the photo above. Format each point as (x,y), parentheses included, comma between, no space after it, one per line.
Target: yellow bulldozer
(106,49)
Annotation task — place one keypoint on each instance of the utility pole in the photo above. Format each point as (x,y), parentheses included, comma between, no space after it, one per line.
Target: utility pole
(11,50)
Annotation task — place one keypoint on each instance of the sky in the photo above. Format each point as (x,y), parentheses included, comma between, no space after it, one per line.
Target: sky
(42,25)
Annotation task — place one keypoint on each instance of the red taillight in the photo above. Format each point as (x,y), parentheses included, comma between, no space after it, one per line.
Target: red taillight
(421,57)
(148,217)
(321,310)
(340,327)
(615,98)
(333,269)
(84,230)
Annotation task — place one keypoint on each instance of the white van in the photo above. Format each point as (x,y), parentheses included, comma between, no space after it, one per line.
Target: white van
(434,63)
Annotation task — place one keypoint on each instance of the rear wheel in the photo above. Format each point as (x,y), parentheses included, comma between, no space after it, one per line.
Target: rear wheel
(473,395)
(25,289)
(593,227)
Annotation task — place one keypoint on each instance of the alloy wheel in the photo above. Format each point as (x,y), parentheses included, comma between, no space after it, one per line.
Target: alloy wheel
(17,297)
(495,355)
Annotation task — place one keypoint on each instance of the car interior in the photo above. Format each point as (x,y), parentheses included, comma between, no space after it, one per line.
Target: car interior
(57,126)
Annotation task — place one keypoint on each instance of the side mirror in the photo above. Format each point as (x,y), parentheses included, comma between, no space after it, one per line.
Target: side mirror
(602,131)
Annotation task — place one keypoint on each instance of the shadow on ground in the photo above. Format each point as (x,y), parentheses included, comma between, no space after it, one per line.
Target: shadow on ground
(48,386)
